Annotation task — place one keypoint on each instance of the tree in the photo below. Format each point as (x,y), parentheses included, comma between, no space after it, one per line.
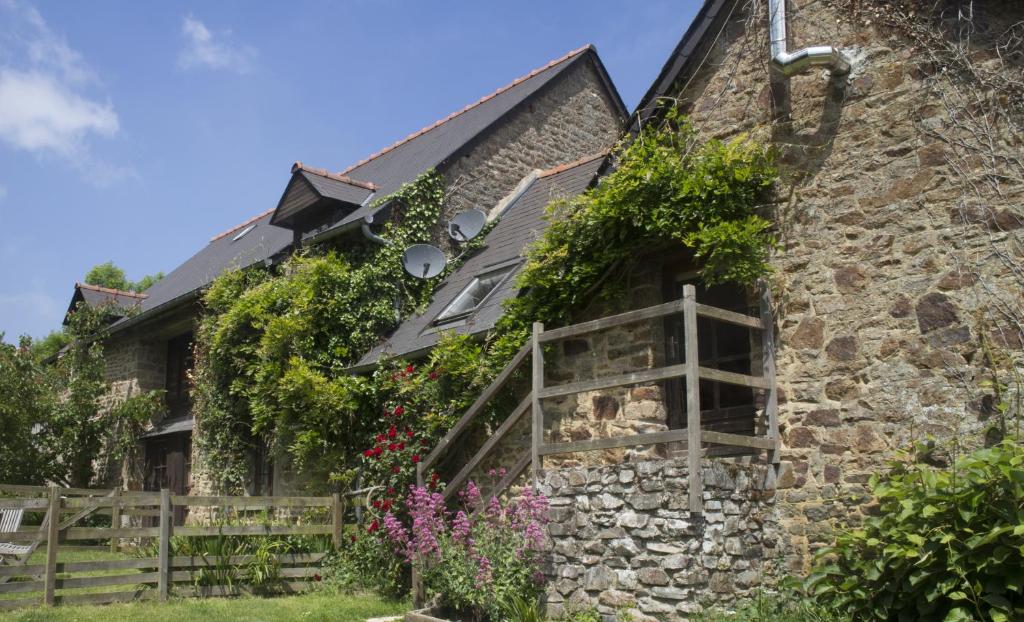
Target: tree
(146,282)
(107,275)
(26,402)
(48,346)
(110,275)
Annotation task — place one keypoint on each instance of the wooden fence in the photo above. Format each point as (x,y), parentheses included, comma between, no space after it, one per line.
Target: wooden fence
(151,578)
(692,437)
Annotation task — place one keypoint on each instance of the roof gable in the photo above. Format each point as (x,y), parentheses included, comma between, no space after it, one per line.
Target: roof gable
(311,188)
(116,303)
(431,146)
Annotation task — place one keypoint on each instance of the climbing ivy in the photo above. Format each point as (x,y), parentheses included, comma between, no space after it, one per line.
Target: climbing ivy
(668,191)
(274,344)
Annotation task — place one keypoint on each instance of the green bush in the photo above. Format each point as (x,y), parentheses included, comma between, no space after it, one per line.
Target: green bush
(789,605)
(945,545)
(366,562)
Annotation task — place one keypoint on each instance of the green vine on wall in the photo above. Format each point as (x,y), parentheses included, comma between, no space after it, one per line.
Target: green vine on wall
(274,344)
(668,191)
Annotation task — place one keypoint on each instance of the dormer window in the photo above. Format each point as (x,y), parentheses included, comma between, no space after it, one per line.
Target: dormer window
(474,295)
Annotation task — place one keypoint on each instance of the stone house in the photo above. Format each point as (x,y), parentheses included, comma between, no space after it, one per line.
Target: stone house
(560,112)
(900,220)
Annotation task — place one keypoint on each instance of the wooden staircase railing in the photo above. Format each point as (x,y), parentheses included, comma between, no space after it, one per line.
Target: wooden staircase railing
(692,437)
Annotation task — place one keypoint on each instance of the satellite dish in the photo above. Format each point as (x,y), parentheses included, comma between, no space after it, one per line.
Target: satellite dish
(467,225)
(423,261)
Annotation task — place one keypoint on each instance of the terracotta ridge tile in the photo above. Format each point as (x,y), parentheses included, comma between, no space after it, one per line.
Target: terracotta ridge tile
(299,166)
(469,107)
(239,226)
(568,165)
(110,290)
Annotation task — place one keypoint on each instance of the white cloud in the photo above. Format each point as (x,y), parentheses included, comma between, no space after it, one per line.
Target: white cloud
(45,106)
(203,49)
(39,113)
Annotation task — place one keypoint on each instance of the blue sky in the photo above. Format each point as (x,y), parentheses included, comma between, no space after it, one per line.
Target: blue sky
(134,131)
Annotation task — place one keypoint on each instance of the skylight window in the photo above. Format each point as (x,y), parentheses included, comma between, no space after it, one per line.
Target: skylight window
(241,234)
(474,295)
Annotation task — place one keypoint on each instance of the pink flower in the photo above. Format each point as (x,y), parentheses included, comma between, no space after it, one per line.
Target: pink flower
(461,527)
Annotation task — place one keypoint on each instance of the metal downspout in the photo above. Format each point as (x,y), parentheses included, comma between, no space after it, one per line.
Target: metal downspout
(789,64)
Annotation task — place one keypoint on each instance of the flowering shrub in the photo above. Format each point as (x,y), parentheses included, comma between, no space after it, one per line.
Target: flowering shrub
(477,557)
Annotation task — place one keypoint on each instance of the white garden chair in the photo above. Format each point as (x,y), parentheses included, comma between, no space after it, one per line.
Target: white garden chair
(10,520)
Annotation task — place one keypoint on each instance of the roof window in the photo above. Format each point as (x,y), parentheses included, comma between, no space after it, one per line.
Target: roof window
(474,295)
(241,234)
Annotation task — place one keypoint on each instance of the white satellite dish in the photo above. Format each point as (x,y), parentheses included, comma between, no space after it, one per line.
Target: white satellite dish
(423,261)
(467,225)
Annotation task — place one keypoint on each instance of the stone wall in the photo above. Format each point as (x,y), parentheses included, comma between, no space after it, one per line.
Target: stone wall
(899,251)
(134,365)
(623,538)
(570,118)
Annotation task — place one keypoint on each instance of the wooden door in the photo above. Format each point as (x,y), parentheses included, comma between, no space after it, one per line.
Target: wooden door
(169,465)
(724,407)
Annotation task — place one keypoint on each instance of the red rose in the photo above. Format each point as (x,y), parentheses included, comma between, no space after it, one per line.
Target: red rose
(392,446)
(386,505)
(374,526)
(408,433)
(392,432)
(352,538)
(398,411)
(391,491)
(410,369)
(368,453)
(376,504)
(401,446)
(415,458)
(433,375)
(377,451)
(396,469)
(380,438)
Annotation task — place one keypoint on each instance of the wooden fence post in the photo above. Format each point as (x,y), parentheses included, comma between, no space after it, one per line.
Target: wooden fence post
(693,435)
(115,519)
(771,405)
(336,519)
(165,541)
(52,542)
(537,434)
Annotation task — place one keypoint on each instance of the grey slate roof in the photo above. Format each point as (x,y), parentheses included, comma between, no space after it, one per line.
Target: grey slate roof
(336,189)
(171,426)
(521,223)
(387,169)
(431,146)
(221,254)
(116,302)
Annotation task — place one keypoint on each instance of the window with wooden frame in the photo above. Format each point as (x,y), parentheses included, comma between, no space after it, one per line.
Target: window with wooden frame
(177,386)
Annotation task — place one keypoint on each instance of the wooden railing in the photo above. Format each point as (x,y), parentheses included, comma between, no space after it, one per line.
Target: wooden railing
(153,577)
(692,438)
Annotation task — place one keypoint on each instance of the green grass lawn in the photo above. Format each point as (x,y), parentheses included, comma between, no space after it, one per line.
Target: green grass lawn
(311,607)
